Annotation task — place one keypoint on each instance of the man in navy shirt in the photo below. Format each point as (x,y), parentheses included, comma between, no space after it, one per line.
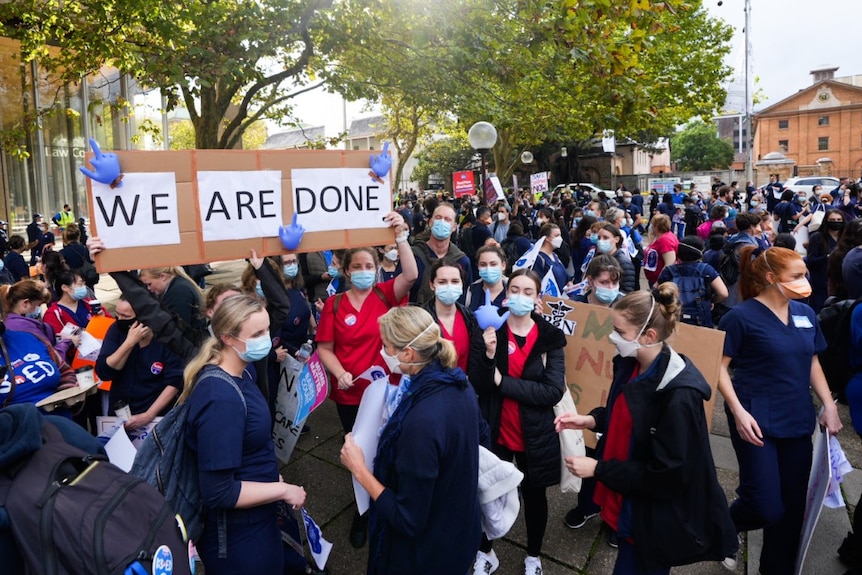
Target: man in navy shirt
(143,373)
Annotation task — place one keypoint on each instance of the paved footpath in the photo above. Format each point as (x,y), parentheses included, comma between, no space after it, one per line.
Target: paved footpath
(315,465)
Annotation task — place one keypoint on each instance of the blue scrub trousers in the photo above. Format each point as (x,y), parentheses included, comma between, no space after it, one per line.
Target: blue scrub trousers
(254,543)
(773,486)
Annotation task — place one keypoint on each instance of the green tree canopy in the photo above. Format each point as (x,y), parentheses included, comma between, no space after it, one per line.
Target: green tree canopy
(698,147)
(443,157)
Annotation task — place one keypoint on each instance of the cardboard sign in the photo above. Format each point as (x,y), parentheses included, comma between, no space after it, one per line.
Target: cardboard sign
(312,387)
(589,353)
(195,206)
(463,183)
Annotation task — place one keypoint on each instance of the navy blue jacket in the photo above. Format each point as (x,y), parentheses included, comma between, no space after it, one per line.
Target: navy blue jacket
(427,520)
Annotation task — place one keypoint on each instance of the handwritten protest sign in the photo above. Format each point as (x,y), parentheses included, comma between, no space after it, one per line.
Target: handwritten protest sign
(589,352)
(193,206)
(818,486)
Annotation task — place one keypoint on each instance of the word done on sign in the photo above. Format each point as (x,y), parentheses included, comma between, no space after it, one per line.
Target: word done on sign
(321,195)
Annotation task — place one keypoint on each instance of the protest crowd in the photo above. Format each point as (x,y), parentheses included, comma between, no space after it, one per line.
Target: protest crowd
(442,331)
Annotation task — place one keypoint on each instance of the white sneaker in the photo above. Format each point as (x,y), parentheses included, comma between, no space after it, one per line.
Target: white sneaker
(486,563)
(729,563)
(532,566)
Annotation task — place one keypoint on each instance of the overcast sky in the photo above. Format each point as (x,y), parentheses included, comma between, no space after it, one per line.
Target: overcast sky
(789,38)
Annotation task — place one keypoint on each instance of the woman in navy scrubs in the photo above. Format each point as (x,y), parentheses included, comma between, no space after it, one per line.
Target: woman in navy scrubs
(491,263)
(768,399)
(231,435)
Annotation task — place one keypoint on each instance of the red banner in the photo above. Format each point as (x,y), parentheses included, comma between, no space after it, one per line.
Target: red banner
(463,183)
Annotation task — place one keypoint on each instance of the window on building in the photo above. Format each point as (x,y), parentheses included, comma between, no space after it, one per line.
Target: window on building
(783,145)
(822,144)
(823,121)
(355,146)
(783,124)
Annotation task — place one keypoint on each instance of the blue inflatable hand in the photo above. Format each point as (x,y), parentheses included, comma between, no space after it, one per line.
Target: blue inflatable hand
(106,167)
(291,235)
(382,162)
(488,315)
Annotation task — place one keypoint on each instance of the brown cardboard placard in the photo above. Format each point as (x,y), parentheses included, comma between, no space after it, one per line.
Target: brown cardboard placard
(192,249)
(589,353)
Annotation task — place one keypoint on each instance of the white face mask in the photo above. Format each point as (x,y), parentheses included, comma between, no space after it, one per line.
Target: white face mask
(501,216)
(392,361)
(391,255)
(628,348)
(557,241)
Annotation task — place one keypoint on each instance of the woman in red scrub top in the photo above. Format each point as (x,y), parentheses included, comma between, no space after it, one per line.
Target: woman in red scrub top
(348,336)
(519,375)
(457,323)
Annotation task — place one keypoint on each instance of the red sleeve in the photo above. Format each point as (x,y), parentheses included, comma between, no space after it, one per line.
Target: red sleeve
(388,289)
(54,317)
(666,243)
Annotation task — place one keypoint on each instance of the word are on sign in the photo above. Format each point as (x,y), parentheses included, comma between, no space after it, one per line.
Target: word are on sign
(141,213)
(239,205)
(319,194)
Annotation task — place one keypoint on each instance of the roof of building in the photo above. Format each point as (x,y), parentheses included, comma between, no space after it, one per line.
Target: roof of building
(298,138)
(365,127)
(828,85)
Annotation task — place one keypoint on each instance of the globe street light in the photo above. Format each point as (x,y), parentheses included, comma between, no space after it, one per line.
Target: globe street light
(482,137)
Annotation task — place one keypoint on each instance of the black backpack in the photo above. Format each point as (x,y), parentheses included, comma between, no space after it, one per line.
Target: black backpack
(166,462)
(835,323)
(510,247)
(694,294)
(728,264)
(72,513)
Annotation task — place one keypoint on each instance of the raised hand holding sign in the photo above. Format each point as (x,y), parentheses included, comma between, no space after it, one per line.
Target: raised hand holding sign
(488,315)
(291,236)
(106,167)
(381,163)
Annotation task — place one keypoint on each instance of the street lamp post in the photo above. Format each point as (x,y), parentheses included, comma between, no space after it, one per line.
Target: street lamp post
(749,164)
(564,153)
(482,137)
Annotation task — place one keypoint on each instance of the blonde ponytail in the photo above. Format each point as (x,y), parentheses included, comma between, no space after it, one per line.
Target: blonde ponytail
(210,353)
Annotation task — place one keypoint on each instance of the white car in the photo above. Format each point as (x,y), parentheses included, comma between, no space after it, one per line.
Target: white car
(594,189)
(807,184)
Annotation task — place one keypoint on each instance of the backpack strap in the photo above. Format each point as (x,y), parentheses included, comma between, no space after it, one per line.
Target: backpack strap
(222,375)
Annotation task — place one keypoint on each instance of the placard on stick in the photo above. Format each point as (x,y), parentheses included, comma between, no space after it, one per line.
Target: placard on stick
(196,206)
(589,353)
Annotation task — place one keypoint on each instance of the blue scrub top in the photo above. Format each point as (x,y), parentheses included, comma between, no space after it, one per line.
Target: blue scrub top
(225,436)
(774,387)
(36,374)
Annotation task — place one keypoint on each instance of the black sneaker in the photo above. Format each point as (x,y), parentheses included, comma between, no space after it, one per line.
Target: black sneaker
(576,518)
(614,540)
(849,553)
(359,530)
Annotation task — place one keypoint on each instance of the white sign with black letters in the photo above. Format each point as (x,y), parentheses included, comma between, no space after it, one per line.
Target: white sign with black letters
(328,199)
(143,212)
(240,205)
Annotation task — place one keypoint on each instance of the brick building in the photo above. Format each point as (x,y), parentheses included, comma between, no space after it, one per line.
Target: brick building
(819,128)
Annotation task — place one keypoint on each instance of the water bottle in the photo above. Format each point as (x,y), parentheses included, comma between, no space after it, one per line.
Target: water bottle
(305,351)
(301,357)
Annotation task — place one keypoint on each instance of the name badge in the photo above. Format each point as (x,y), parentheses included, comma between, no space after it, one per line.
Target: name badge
(801,321)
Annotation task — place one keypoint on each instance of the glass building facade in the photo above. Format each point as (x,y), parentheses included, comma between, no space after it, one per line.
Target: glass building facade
(107,106)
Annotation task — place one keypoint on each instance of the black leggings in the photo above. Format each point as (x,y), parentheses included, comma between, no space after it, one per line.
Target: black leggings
(347,415)
(535,504)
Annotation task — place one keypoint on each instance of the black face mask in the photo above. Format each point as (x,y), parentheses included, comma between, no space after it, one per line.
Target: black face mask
(125,324)
(834,226)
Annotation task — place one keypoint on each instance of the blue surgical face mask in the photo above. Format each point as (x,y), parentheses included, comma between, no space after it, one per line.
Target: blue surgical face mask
(258,289)
(290,270)
(490,275)
(256,348)
(363,279)
(35,314)
(604,246)
(577,221)
(440,229)
(606,295)
(590,213)
(333,271)
(521,305)
(594,238)
(79,293)
(448,294)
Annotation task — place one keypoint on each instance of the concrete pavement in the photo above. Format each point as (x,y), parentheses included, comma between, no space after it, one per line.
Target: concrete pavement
(315,465)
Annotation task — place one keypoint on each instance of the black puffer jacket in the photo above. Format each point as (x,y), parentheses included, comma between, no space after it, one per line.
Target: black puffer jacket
(679,513)
(539,388)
